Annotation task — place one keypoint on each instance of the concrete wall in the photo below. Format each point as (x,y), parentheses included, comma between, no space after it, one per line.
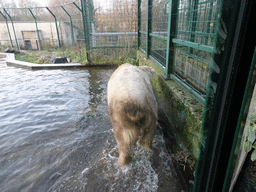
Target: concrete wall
(183,110)
(47,31)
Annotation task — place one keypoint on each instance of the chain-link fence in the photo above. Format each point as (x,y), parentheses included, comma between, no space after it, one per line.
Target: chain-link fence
(42,27)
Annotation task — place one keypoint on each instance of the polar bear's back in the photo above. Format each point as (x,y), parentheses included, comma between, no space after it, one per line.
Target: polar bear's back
(133,85)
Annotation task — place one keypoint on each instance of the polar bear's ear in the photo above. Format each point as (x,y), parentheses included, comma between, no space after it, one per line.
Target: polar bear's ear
(148,69)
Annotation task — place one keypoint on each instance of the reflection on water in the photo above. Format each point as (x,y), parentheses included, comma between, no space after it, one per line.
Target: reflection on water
(56,135)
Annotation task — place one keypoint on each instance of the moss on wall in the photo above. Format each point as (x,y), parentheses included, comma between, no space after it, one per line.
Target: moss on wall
(183,110)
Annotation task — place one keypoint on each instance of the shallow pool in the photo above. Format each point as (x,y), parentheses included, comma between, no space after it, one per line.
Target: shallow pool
(56,135)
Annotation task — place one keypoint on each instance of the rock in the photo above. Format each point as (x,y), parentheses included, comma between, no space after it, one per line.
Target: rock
(11,50)
(56,60)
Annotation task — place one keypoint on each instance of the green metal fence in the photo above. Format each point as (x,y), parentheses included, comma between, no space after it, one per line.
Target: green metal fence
(43,27)
(108,29)
(179,36)
(113,30)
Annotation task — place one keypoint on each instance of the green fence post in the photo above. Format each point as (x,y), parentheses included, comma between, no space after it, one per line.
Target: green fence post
(86,31)
(170,53)
(57,30)
(37,31)
(84,19)
(90,16)
(71,24)
(13,29)
(139,22)
(192,25)
(7,27)
(224,90)
(149,27)
(83,11)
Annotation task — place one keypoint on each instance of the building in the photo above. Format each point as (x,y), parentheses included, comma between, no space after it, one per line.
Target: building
(26,35)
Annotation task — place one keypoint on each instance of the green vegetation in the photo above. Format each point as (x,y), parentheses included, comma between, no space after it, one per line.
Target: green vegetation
(184,111)
(78,54)
(113,56)
(44,56)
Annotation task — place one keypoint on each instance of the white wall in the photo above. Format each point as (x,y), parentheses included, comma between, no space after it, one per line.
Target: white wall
(47,30)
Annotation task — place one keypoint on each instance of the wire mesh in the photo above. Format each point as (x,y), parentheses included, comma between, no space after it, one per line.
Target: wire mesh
(197,21)
(156,24)
(159,19)
(196,33)
(114,28)
(42,27)
(192,41)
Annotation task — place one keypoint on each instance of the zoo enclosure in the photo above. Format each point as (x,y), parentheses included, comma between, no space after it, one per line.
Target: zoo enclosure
(108,29)
(180,37)
(39,28)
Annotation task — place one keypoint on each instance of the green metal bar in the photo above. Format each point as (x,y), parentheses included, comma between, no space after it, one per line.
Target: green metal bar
(149,27)
(83,11)
(243,113)
(17,44)
(158,36)
(231,81)
(84,25)
(56,24)
(37,31)
(86,31)
(170,54)
(194,45)
(90,17)
(143,32)
(110,47)
(7,27)
(191,90)
(71,25)
(153,59)
(139,22)
(78,7)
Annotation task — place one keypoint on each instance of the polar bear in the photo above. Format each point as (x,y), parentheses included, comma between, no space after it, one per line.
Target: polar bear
(133,108)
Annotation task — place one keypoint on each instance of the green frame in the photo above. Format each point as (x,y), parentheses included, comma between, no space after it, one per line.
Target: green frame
(37,31)
(56,25)
(228,78)
(8,30)
(16,40)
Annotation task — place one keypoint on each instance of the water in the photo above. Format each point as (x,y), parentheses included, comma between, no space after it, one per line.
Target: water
(56,135)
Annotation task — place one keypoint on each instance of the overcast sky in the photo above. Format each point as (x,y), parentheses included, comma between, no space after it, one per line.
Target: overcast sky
(42,2)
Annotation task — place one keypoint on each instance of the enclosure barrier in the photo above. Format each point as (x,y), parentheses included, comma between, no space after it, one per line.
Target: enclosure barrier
(200,44)
(179,36)
(105,26)
(39,28)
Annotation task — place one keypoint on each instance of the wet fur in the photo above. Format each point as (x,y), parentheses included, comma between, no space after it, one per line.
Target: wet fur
(133,108)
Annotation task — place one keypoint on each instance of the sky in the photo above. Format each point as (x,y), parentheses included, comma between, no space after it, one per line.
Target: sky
(42,2)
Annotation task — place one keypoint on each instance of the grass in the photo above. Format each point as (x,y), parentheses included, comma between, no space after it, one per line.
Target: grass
(44,56)
(78,54)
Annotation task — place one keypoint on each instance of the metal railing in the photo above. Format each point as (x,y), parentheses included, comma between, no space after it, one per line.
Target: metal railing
(180,37)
